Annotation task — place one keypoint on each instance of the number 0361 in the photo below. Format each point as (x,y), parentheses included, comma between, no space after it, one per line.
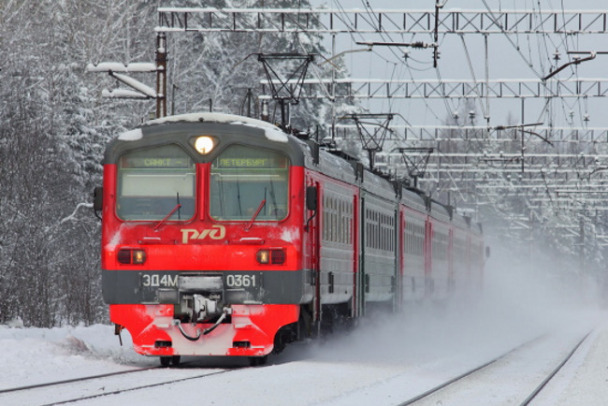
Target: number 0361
(241,281)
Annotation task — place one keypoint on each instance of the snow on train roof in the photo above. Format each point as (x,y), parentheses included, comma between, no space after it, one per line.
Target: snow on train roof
(132,135)
(272,132)
(440,212)
(413,200)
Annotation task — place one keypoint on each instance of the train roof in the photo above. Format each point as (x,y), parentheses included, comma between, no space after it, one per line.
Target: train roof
(460,221)
(272,132)
(414,199)
(476,228)
(380,186)
(184,128)
(329,164)
(440,211)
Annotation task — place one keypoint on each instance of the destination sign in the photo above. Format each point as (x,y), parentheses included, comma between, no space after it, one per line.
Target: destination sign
(251,163)
(151,162)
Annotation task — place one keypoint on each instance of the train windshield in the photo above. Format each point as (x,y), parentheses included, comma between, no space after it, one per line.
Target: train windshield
(249,183)
(154,183)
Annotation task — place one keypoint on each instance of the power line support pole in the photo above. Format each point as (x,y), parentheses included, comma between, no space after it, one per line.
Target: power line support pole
(333,89)
(582,242)
(523,141)
(161,75)
(485,40)
(438,6)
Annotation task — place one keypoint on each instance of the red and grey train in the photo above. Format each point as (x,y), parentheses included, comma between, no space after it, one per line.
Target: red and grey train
(223,235)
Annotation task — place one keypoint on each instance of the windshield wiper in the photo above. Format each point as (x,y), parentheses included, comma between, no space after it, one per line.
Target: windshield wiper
(238,196)
(275,209)
(176,208)
(260,207)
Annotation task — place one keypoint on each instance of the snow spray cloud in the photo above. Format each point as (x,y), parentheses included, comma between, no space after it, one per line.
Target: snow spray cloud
(526,293)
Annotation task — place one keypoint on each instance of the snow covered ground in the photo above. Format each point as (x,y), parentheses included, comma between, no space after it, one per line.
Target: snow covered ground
(386,361)
(358,369)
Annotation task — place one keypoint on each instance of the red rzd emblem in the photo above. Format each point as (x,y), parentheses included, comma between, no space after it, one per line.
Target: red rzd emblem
(216,232)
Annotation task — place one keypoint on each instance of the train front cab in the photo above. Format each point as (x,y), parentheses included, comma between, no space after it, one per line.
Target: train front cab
(201,252)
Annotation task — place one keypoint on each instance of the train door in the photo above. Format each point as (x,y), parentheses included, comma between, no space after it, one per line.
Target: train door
(356,304)
(399,247)
(395,246)
(312,250)
(362,278)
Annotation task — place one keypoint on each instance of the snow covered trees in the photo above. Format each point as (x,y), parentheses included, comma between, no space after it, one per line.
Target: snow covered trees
(54,126)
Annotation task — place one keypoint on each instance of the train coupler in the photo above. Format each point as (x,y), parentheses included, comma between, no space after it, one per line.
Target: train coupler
(199,333)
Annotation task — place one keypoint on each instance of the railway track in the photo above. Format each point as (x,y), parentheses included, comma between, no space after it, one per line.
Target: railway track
(96,386)
(426,396)
(521,373)
(553,373)
(67,381)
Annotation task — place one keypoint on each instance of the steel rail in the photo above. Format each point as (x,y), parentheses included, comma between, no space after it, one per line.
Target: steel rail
(81,379)
(470,372)
(545,381)
(465,374)
(119,391)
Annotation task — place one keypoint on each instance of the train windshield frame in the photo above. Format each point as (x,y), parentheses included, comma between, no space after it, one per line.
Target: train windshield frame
(154,183)
(248,182)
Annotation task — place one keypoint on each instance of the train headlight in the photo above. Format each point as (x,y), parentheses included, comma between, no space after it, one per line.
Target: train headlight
(204,144)
(275,256)
(139,257)
(130,256)
(263,256)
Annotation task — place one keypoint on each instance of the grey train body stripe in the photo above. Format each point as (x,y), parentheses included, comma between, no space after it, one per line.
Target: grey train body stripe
(162,287)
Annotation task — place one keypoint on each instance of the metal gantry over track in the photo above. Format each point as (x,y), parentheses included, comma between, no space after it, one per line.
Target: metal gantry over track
(345,21)
(349,88)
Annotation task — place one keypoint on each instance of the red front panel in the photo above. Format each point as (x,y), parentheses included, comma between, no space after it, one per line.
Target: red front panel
(250,333)
(202,245)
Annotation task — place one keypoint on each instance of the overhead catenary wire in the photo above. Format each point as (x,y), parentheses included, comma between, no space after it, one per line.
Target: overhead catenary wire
(529,64)
(389,38)
(472,71)
(398,57)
